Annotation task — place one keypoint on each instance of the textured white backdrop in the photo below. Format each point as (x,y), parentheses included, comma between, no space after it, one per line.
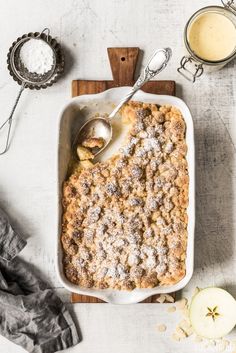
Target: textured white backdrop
(86,28)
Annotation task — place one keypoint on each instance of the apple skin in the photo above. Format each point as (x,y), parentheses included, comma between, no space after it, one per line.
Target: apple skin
(203,324)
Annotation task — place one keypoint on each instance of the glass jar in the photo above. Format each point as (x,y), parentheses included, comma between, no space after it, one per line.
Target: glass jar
(192,65)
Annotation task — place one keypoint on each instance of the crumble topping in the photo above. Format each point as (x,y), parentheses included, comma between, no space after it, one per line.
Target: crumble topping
(125,222)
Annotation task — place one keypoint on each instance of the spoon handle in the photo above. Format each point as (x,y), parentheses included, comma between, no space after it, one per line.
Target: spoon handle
(155,65)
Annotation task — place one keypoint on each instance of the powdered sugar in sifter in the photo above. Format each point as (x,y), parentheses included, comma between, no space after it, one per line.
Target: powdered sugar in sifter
(33,74)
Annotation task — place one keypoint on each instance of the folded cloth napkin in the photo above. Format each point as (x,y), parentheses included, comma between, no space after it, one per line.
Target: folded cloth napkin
(31,315)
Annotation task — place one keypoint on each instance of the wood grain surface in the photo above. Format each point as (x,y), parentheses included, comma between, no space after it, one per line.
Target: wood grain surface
(123,63)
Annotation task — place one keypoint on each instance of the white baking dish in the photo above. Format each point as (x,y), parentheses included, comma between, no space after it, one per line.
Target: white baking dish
(72,116)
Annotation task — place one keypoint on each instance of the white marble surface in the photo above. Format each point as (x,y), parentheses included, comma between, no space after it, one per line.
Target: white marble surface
(27,172)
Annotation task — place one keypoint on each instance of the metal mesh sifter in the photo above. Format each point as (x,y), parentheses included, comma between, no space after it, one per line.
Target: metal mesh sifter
(28,79)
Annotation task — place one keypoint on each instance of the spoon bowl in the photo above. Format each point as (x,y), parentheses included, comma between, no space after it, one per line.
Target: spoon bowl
(100,127)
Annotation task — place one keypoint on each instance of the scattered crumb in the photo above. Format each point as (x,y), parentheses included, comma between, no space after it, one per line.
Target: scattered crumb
(180,332)
(186,319)
(171,309)
(165,298)
(234,345)
(226,343)
(182,303)
(169,298)
(161,328)
(185,312)
(175,337)
(186,327)
(183,329)
(222,345)
(161,298)
(198,339)
(189,331)
(212,343)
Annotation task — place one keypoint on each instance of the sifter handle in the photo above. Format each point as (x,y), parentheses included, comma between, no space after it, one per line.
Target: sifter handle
(9,120)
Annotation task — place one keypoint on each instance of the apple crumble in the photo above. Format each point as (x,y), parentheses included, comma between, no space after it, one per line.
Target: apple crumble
(125,221)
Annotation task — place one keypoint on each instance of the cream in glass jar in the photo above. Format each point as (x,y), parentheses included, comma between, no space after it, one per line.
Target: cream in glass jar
(210,40)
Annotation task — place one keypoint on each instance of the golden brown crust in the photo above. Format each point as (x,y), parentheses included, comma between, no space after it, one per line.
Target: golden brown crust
(125,220)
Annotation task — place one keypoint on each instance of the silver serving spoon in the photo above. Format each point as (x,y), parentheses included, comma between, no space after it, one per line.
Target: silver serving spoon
(100,126)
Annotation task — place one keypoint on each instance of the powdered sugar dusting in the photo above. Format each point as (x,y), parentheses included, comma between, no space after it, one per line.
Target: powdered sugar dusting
(121,226)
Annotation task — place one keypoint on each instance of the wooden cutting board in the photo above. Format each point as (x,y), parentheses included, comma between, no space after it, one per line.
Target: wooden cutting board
(123,63)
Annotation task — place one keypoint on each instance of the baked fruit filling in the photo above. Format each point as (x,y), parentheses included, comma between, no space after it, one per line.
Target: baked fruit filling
(125,220)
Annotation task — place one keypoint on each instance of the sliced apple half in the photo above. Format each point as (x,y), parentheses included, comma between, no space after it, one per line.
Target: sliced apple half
(213,313)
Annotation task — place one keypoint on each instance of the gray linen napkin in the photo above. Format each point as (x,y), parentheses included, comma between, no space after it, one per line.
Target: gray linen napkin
(31,315)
